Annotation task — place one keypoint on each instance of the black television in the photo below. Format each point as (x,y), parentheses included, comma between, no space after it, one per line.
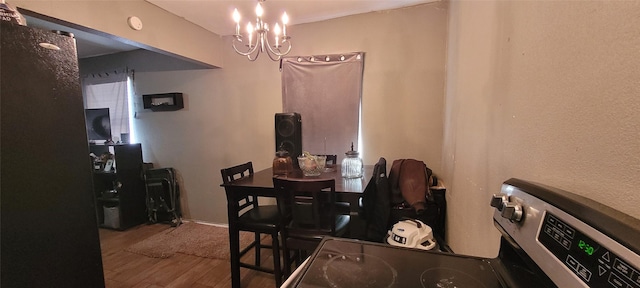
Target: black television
(98,124)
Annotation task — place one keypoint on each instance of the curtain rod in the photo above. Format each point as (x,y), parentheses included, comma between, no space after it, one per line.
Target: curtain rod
(107,73)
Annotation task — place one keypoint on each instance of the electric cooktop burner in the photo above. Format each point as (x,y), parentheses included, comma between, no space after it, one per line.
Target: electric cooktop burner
(352,263)
(339,270)
(448,278)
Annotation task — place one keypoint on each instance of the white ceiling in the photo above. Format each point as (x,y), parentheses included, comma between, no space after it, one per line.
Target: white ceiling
(215,15)
(88,44)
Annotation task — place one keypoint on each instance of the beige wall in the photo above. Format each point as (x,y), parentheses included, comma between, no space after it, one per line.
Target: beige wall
(541,90)
(229,118)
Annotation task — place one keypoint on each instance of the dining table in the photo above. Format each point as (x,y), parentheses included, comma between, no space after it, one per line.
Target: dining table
(260,184)
(347,190)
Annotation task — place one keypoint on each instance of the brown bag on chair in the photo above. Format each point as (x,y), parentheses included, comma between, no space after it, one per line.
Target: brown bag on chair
(410,182)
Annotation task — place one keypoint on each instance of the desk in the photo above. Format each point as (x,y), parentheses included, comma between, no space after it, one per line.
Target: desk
(261,184)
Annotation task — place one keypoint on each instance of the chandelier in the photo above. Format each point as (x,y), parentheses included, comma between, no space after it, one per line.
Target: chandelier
(257,40)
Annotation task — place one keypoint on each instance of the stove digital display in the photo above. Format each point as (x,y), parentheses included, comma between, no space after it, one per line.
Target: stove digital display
(588,247)
(591,262)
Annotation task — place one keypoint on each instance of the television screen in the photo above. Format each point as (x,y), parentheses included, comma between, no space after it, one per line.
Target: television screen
(98,124)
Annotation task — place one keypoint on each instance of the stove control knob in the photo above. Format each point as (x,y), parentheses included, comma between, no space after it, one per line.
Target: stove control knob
(512,211)
(499,201)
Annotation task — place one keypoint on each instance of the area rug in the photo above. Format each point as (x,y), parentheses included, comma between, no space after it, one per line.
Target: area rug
(190,238)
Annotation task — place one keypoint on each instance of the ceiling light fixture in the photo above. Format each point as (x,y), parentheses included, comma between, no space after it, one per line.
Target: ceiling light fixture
(257,39)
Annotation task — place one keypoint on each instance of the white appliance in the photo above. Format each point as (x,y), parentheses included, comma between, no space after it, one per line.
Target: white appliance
(411,233)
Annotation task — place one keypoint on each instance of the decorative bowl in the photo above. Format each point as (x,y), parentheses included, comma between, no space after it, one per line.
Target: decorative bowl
(312,165)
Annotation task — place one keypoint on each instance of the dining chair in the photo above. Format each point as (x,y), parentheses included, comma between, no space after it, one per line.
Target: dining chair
(308,211)
(375,205)
(332,159)
(245,214)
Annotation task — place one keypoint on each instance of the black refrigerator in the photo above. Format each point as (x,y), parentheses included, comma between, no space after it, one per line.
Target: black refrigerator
(49,235)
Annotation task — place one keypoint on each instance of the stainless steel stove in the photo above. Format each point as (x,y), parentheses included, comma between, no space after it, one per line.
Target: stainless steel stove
(550,238)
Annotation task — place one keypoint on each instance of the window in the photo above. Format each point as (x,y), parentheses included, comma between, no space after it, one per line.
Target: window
(326,90)
(111,90)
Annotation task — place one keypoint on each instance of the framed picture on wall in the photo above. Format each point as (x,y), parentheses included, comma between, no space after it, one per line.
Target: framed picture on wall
(98,124)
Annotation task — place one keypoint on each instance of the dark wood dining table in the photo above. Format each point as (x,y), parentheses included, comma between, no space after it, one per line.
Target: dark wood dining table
(347,190)
(261,184)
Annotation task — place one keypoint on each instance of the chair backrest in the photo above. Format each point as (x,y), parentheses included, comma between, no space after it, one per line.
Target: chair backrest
(161,174)
(164,177)
(376,203)
(331,159)
(308,206)
(234,173)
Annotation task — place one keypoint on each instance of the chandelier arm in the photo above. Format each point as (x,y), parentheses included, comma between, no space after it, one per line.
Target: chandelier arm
(276,52)
(271,56)
(270,51)
(253,59)
(248,53)
(255,48)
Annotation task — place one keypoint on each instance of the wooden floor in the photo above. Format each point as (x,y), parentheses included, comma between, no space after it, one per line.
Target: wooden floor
(126,269)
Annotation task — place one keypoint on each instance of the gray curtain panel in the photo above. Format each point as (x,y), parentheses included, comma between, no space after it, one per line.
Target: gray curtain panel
(326,90)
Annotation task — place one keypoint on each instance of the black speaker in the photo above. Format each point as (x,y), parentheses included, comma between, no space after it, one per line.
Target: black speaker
(289,134)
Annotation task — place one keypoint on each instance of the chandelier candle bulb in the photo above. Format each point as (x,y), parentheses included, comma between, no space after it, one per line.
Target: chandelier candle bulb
(285,21)
(276,31)
(259,10)
(236,18)
(250,31)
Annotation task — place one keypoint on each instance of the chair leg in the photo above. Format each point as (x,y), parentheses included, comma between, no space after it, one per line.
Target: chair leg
(286,257)
(277,270)
(234,244)
(299,254)
(258,248)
